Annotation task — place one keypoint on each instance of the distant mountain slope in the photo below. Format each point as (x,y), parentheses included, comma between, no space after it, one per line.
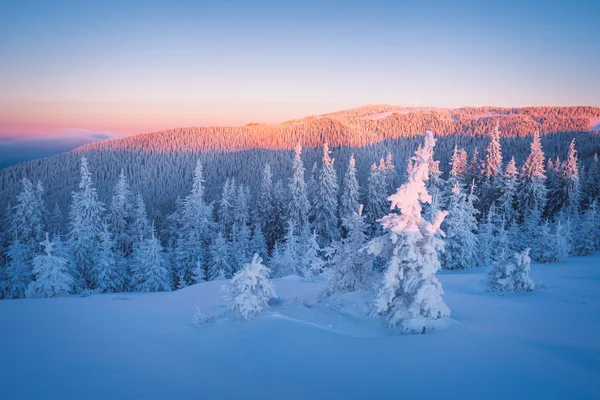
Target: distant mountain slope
(362,126)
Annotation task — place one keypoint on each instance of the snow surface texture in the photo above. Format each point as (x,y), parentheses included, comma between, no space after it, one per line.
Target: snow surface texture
(538,345)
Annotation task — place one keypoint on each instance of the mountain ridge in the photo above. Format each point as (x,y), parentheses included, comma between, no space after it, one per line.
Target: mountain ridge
(362,126)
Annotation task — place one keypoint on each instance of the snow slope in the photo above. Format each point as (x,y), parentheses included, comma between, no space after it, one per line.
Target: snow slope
(543,344)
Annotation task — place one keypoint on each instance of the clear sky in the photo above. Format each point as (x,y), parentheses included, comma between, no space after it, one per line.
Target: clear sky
(134,66)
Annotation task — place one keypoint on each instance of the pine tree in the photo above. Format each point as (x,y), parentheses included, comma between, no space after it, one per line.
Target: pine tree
(473,174)
(111,276)
(226,207)
(588,232)
(326,200)
(288,262)
(351,268)
(551,247)
(508,192)
(258,243)
(410,294)
(459,167)
(25,233)
(266,206)
(119,216)
(150,273)
(311,262)
(566,196)
(86,228)
(220,259)
(390,175)
(460,226)
(377,204)
(490,187)
(250,289)
(140,226)
(511,275)
(52,277)
(532,192)
(298,205)
(349,201)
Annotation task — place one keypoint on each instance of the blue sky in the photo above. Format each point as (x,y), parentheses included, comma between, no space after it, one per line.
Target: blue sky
(135,66)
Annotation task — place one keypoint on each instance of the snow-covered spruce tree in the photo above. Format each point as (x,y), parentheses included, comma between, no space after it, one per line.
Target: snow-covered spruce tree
(86,226)
(351,268)
(326,200)
(588,232)
(266,206)
(258,243)
(460,225)
(532,191)
(474,174)
(290,253)
(150,273)
(110,275)
(493,239)
(551,246)
(436,187)
(508,192)
(511,275)
(119,216)
(391,177)
(250,289)
(591,188)
(25,232)
(376,204)
(459,167)
(566,195)
(228,196)
(196,230)
(349,200)
(311,262)
(298,205)
(52,277)
(410,295)
(140,226)
(220,258)
(492,172)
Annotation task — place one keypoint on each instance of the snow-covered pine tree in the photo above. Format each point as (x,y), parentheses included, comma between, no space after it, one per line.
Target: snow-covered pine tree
(473,174)
(351,267)
(119,216)
(511,275)
(410,295)
(566,196)
(459,167)
(86,226)
(460,226)
(250,289)
(298,205)
(311,262)
(550,247)
(490,186)
(111,276)
(435,187)
(226,207)
(266,206)
(588,232)
(258,243)
(150,273)
(508,192)
(349,201)
(390,175)
(532,191)
(140,226)
(52,277)
(220,263)
(493,239)
(376,204)
(25,232)
(288,262)
(326,200)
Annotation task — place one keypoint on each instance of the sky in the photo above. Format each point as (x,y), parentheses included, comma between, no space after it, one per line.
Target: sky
(114,68)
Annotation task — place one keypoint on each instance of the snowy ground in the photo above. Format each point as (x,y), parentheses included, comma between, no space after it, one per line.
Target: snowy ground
(542,345)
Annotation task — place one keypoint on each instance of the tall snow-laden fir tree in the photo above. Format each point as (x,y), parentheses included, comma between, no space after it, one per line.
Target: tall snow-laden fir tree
(150,272)
(266,206)
(258,244)
(410,295)
(351,267)
(349,201)
(226,205)
(532,193)
(220,258)
(492,172)
(111,276)
(86,226)
(140,226)
(311,262)
(460,226)
(326,200)
(250,289)
(376,204)
(52,276)
(390,174)
(298,206)
(473,174)
(566,195)
(119,216)
(288,261)
(459,167)
(508,192)
(493,239)
(25,232)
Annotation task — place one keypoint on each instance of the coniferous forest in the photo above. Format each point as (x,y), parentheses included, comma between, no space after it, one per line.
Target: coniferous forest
(104,219)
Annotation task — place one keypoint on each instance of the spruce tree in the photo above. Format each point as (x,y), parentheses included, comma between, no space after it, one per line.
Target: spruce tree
(349,201)
(326,200)
(532,193)
(410,295)
(86,226)
(150,273)
(298,206)
(220,258)
(119,216)
(377,204)
(52,277)
(508,192)
(459,226)
(111,276)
